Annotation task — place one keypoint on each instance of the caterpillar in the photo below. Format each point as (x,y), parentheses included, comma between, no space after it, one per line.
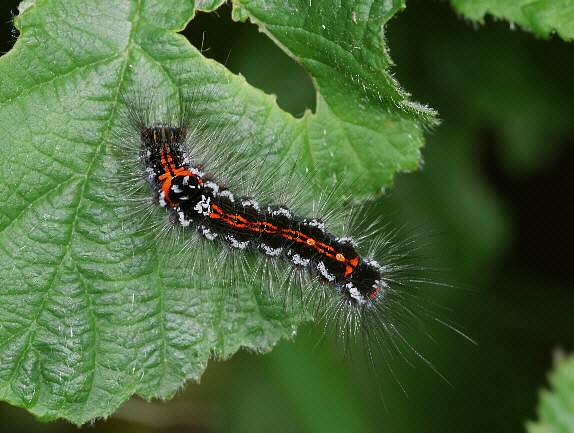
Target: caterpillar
(193,199)
(357,277)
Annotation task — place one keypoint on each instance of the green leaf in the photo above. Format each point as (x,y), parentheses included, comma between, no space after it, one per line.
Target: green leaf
(540,16)
(556,406)
(342,47)
(91,310)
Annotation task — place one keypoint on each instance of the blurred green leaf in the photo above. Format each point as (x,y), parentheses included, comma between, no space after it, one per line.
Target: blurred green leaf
(91,311)
(556,406)
(540,16)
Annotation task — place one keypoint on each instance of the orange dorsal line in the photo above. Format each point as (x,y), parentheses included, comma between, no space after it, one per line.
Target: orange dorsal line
(239,221)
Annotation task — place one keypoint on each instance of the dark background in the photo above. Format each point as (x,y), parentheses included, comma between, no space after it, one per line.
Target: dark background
(496,189)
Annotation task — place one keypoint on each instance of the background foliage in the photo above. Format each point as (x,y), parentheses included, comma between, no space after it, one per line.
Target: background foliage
(496,185)
(555,409)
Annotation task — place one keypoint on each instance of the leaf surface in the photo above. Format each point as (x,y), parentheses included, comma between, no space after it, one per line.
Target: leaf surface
(91,310)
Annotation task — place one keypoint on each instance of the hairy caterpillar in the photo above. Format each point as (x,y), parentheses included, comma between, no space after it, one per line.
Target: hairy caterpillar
(198,168)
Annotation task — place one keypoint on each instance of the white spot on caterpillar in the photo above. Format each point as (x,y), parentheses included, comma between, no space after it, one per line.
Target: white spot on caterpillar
(299,261)
(203,207)
(315,223)
(228,194)
(237,244)
(323,270)
(161,200)
(197,172)
(273,252)
(212,186)
(354,292)
(376,265)
(281,211)
(381,285)
(183,220)
(207,233)
(251,203)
